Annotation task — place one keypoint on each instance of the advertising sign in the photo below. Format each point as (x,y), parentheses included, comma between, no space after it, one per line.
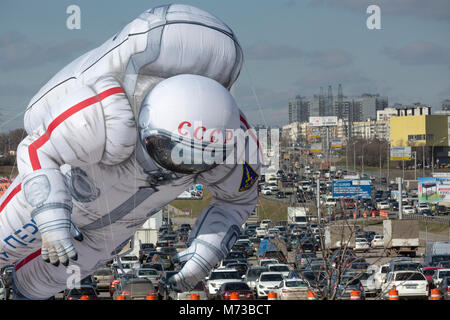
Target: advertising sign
(434,189)
(400,153)
(336,143)
(315,147)
(352,189)
(323,121)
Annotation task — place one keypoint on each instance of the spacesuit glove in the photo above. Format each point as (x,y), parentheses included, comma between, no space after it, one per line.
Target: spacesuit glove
(55,228)
(200,258)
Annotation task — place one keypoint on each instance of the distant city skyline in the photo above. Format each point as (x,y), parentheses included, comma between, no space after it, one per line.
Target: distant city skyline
(291,47)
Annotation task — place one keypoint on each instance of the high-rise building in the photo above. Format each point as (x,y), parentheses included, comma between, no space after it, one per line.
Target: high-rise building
(299,109)
(370,103)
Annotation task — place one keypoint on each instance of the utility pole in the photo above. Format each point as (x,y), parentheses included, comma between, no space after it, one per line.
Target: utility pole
(318,199)
(415,165)
(400,198)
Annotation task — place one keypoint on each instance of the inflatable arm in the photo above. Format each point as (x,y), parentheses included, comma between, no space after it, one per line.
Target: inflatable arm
(75,130)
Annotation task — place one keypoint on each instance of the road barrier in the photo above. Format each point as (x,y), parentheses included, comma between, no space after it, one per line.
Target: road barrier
(235,296)
(121,297)
(152,297)
(393,294)
(435,294)
(311,295)
(195,296)
(272,296)
(355,295)
(84,298)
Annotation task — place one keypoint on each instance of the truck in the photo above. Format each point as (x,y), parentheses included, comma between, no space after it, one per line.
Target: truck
(287,187)
(436,252)
(297,215)
(273,249)
(401,237)
(339,236)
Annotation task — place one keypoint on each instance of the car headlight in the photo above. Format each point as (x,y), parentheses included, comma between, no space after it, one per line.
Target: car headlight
(261,286)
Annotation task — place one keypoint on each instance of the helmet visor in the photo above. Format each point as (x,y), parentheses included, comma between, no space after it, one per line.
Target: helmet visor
(181,155)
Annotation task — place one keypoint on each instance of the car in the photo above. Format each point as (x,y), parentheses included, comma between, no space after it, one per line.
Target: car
(199,289)
(361,244)
(292,289)
(421,206)
(130,259)
(146,273)
(266,262)
(267,282)
(83,292)
(279,267)
(135,289)
(408,210)
(103,278)
(144,249)
(368,282)
(252,276)
(154,265)
(330,202)
(359,266)
(88,281)
(266,191)
(438,275)
(426,213)
(243,290)
(249,249)
(349,282)
(119,279)
(164,287)
(377,242)
(428,272)
(303,259)
(383,205)
(265,223)
(7,274)
(4,291)
(281,195)
(444,287)
(219,276)
(261,231)
(239,266)
(407,283)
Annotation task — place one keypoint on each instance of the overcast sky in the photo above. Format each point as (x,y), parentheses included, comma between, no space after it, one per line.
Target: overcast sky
(290,47)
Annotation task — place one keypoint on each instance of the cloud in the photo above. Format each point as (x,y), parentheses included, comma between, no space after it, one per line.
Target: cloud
(419,53)
(332,58)
(17,51)
(435,9)
(266,51)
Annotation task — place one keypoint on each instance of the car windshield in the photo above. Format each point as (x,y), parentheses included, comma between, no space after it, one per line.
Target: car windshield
(406,266)
(225,275)
(147,246)
(295,284)
(350,281)
(254,273)
(312,276)
(443,274)
(147,272)
(236,255)
(271,277)
(405,276)
(129,258)
(279,268)
(428,272)
(364,276)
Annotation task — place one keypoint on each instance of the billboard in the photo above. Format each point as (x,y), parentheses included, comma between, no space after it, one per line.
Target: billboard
(434,189)
(336,143)
(323,121)
(400,153)
(315,147)
(352,189)
(195,192)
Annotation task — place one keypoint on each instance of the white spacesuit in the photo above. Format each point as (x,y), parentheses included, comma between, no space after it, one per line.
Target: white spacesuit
(99,157)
